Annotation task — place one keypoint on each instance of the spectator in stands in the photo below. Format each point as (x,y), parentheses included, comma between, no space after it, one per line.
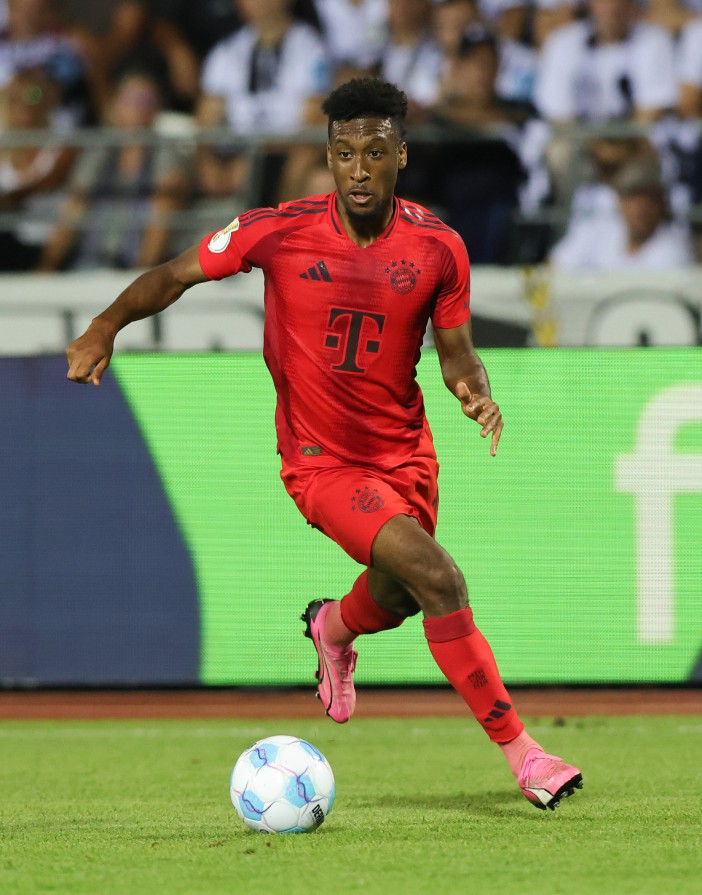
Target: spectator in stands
(548,15)
(33,39)
(683,136)
(672,15)
(690,70)
(353,30)
(506,19)
(202,25)
(118,35)
(608,157)
(31,177)
(122,196)
(450,21)
(480,178)
(511,22)
(411,57)
(116,29)
(468,94)
(261,79)
(610,65)
(109,34)
(639,235)
(319,181)
(267,78)
(183,33)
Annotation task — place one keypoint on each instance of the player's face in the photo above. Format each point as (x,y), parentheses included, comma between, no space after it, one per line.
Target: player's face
(365,156)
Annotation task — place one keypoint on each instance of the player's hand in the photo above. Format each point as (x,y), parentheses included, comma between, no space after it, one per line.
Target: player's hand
(89,356)
(484,411)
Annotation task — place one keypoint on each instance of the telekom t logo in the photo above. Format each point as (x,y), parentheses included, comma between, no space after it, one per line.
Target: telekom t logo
(653,474)
(352,323)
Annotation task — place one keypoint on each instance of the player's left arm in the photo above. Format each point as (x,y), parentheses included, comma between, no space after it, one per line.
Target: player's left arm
(466,377)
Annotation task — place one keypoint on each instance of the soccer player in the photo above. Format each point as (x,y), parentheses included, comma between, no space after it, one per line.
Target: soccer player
(351,280)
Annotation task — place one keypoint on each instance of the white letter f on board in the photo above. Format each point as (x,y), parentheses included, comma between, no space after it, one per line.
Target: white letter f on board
(653,474)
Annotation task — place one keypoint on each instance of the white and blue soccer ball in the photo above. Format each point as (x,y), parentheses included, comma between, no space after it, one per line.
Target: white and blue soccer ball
(282,784)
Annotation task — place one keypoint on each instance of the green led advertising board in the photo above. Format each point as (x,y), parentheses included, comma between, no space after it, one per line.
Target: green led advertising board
(580,541)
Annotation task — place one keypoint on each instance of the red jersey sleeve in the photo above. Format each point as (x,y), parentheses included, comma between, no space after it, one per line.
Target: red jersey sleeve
(452,306)
(241,245)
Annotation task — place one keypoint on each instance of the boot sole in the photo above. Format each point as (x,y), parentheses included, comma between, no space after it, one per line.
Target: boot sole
(568,789)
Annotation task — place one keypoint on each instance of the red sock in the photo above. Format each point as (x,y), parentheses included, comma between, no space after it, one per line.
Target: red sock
(361,614)
(465,657)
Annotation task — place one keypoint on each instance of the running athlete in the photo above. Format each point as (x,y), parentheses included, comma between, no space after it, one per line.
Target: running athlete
(351,281)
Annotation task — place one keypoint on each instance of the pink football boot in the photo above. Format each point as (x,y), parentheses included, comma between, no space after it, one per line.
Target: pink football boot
(545,779)
(336,664)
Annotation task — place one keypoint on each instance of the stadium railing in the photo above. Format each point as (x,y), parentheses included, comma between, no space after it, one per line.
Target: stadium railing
(525,304)
(180,131)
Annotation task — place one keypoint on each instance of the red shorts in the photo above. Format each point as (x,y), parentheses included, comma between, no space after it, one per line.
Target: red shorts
(350,504)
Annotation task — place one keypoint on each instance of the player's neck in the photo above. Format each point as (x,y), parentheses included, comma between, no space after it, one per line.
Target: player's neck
(364,232)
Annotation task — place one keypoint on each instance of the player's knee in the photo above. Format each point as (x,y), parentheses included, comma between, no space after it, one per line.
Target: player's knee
(401,603)
(445,588)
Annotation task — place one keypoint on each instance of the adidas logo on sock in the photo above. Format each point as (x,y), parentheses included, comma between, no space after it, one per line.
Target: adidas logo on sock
(318,271)
(500,708)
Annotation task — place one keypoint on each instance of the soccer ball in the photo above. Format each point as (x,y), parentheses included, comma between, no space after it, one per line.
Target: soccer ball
(282,784)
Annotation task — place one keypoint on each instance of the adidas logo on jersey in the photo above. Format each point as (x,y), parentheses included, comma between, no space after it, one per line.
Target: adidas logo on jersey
(318,271)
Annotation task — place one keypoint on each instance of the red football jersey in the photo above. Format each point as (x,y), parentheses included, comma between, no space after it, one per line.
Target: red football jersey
(344,324)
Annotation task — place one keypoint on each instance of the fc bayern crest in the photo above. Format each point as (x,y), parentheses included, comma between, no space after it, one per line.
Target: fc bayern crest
(367,500)
(403,275)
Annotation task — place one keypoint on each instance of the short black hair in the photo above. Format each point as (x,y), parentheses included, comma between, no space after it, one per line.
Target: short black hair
(366,98)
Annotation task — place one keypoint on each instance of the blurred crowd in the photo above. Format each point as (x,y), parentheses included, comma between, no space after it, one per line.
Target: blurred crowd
(495,89)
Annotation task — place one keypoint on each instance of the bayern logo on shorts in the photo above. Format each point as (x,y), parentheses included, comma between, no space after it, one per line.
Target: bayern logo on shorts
(403,275)
(367,500)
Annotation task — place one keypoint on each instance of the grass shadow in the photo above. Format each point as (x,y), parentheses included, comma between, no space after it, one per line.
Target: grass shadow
(491,803)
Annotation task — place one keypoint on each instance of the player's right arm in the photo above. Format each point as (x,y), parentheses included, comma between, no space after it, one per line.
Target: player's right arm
(153,291)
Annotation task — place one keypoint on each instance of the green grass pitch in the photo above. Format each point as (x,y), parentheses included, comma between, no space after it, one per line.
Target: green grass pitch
(423,806)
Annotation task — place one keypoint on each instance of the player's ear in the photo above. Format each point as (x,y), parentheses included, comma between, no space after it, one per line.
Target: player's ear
(329,157)
(402,156)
